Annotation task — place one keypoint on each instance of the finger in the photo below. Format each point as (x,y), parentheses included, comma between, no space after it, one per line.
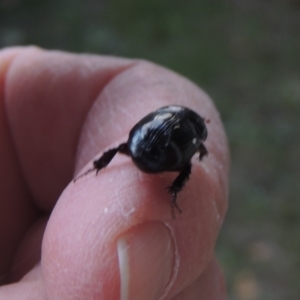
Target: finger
(28,252)
(112,234)
(209,285)
(47,97)
(16,210)
(29,288)
(43,103)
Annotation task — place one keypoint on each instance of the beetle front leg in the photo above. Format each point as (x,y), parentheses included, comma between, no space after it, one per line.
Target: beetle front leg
(177,186)
(107,156)
(105,159)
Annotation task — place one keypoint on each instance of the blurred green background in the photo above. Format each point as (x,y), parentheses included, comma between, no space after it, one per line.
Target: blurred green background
(246,55)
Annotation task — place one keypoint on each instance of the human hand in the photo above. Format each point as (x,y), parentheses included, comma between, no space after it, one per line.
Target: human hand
(59,111)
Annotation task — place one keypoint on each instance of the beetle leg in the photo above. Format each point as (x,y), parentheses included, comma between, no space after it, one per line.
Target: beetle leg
(105,159)
(107,156)
(177,186)
(203,151)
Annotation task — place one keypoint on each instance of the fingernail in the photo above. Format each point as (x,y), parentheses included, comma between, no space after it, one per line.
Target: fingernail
(146,257)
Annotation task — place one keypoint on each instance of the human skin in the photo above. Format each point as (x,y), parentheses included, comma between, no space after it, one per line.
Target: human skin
(110,236)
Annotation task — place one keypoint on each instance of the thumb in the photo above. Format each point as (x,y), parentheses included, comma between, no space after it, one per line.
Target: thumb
(112,236)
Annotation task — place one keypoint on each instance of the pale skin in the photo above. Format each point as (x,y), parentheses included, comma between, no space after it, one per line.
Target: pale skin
(110,236)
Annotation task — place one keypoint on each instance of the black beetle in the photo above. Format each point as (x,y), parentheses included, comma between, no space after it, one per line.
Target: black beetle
(164,140)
